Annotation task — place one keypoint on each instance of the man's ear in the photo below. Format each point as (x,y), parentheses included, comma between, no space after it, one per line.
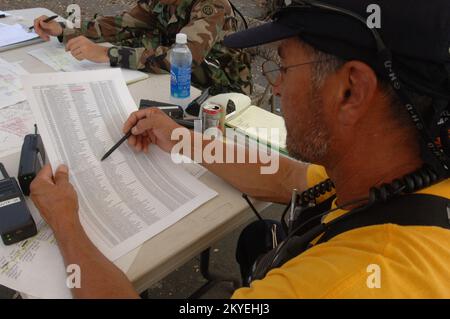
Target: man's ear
(357,87)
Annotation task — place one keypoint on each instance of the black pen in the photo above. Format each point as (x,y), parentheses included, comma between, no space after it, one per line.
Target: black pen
(123,139)
(46,21)
(186,123)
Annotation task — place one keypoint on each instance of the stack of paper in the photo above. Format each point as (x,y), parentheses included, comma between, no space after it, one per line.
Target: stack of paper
(123,201)
(12,34)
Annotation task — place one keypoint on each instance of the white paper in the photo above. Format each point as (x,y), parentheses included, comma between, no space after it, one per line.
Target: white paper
(18,263)
(130,197)
(190,166)
(11,34)
(58,59)
(15,122)
(35,267)
(11,90)
(253,117)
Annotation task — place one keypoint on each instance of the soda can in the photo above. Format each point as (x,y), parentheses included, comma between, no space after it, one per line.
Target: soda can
(213,115)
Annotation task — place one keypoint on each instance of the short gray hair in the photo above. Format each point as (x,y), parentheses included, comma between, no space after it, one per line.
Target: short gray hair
(330,64)
(327,65)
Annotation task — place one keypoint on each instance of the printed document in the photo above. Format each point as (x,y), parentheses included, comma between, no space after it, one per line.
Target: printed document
(15,122)
(35,266)
(128,198)
(119,210)
(11,90)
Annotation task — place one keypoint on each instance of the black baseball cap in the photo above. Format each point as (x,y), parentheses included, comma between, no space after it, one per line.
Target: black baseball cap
(416,31)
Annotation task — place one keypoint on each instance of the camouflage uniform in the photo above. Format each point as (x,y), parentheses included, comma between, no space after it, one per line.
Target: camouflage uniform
(143,36)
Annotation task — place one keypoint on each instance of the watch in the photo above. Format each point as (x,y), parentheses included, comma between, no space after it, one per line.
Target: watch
(113,54)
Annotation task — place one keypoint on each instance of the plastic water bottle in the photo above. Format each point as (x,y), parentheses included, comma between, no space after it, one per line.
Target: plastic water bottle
(180,71)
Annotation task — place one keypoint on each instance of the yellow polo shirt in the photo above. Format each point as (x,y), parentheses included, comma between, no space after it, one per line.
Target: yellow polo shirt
(382,261)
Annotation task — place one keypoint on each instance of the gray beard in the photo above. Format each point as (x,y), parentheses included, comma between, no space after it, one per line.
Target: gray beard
(313,146)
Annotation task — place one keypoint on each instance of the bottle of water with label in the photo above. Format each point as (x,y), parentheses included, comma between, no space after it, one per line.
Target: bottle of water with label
(180,71)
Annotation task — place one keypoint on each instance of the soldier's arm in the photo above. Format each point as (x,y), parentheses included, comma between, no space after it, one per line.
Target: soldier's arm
(203,31)
(115,28)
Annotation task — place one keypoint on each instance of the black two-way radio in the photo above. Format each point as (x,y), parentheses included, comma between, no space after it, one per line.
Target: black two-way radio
(32,159)
(16,222)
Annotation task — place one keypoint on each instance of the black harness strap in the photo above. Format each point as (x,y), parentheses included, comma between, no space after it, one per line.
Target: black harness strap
(406,210)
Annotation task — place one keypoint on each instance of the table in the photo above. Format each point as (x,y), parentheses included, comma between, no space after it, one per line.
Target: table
(175,246)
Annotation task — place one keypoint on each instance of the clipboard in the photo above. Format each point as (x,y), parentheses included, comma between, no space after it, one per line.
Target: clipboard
(20,44)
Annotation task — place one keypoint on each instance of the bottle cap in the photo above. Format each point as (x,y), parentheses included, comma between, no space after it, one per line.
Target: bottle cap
(181,38)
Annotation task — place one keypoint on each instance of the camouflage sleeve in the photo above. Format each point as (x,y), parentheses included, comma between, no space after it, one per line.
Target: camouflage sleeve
(205,28)
(127,25)
(203,31)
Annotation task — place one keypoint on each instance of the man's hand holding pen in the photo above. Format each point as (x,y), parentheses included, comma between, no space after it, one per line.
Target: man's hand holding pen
(150,126)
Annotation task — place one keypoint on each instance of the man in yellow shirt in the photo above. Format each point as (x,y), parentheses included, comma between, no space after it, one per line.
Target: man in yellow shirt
(343,100)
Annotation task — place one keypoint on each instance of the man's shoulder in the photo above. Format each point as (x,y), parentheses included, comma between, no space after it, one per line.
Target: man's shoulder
(347,265)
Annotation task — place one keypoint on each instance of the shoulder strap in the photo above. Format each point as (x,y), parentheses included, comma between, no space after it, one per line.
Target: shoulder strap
(311,214)
(406,210)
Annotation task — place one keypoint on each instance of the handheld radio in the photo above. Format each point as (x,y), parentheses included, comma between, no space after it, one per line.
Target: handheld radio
(16,222)
(32,159)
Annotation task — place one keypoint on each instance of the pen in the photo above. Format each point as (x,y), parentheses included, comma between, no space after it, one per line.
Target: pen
(46,21)
(123,139)
(185,123)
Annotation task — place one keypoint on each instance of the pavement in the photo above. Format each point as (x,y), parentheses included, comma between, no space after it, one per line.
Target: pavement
(186,280)
(250,8)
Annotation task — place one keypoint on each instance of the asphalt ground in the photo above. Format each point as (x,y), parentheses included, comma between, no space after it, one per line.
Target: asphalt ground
(250,8)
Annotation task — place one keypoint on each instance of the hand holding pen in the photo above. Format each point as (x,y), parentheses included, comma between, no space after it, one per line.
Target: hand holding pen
(46,26)
(146,127)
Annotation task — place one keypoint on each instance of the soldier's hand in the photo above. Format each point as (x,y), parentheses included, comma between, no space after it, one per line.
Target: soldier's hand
(45,30)
(151,126)
(84,49)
